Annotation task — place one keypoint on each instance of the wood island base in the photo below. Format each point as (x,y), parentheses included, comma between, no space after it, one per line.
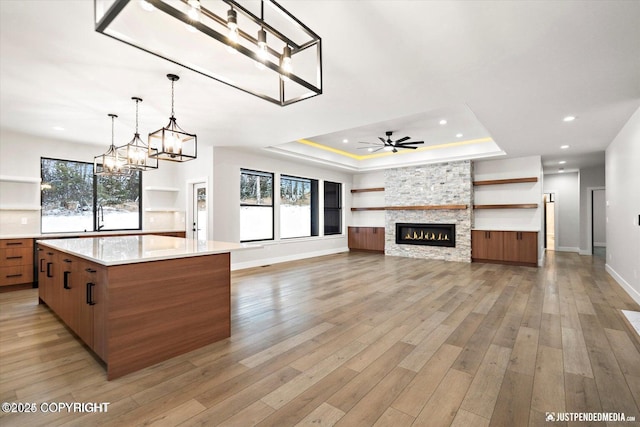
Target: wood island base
(139,314)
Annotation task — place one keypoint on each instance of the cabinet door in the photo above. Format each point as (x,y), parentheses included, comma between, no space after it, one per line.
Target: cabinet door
(521,247)
(45,276)
(529,247)
(511,242)
(378,239)
(83,303)
(486,245)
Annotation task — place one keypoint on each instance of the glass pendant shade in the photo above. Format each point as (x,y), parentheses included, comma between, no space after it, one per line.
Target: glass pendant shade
(111,162)
(136,153)
(172,142)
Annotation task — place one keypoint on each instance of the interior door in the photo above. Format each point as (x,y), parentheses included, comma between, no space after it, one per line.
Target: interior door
(200,211)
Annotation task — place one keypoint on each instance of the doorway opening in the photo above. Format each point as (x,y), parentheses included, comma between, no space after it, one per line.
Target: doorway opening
(598,223)
(198,211)
(549,222)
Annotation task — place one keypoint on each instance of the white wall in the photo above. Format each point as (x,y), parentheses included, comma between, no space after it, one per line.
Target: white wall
(566,187)
(599,218)
(589,177)
(20,156)
(227,163)
(623,207)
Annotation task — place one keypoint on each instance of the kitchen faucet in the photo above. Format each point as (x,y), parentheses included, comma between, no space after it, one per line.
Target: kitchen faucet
(100,217)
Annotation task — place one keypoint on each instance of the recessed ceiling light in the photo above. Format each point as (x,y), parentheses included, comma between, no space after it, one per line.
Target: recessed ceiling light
(443,122)
(564,147)
(369,149)
(562,162)
(345,140)
(58,128)
(458,135)
(569,119)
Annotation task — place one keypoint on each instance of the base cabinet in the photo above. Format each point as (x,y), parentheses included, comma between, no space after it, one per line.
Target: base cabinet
(16,261)
(505,247)
(366,238)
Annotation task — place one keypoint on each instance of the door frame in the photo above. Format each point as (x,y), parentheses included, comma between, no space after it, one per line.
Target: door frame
(555,220)
(590,191)
(190,183)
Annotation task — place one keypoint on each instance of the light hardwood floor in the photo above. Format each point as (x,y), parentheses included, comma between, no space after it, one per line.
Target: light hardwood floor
(358,340)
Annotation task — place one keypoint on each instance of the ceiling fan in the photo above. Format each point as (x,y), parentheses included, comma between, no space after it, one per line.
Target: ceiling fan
(389,145)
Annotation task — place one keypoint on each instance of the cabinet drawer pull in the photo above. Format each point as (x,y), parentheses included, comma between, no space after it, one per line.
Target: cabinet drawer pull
(90,270)
(90,293)
(41,266)
(66,260)
(49,273)
(14,257)
(66,280)
(49,253)
(13,275)
(14,243)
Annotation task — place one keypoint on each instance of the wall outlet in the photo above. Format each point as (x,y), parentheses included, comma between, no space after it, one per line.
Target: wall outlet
(23,220)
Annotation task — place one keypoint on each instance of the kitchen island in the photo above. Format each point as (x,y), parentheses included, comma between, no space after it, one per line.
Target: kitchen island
(138,300)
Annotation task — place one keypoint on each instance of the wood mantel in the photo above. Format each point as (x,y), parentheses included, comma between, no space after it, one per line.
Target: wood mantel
(413,208)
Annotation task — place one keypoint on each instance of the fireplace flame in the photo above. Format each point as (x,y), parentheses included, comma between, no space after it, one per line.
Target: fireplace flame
(428,236)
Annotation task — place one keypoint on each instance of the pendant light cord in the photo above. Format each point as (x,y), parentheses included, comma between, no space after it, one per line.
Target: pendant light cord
(172,113)
(112,130)
(137,116)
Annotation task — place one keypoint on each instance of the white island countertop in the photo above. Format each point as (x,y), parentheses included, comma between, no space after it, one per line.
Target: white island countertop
(117,250)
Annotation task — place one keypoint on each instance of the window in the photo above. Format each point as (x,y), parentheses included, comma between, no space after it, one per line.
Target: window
(298,207)
(74,200)
(332,208)
(256,205)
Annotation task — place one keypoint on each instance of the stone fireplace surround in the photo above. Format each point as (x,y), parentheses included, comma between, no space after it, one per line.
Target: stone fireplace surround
(426,185)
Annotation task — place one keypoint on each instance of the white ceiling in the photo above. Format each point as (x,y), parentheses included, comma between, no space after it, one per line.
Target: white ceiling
(517,67)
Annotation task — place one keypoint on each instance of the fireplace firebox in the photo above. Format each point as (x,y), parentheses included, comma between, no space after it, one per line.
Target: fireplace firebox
(426,234)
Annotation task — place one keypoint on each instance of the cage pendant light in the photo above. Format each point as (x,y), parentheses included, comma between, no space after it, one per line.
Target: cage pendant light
(136,152)
(110,163)
(172,142)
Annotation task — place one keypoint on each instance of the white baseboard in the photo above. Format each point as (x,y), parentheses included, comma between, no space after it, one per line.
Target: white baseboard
(600,244)
(277,260)
(567,249)
(634,294)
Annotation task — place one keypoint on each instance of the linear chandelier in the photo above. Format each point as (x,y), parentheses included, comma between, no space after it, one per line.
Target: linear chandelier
(255,46)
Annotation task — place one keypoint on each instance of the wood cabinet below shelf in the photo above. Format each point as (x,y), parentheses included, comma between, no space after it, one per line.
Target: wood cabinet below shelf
(505,247)
(366,238)
(16,261)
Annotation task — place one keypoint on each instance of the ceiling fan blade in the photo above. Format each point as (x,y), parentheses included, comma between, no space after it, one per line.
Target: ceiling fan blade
(403,139)
(382,139)
(366,148)
(407,146)
(409,143)
(378,149)
(371,143)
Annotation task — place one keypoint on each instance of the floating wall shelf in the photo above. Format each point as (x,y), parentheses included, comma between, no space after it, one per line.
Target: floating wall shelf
(24,179)
(21,208)
(170,189)
(366,190)
(506,181)
(508,206)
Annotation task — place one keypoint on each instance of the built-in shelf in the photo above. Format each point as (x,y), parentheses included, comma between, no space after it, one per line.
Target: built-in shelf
(170,189)
(506,181)
(508,206)
(413,208)
(167,209)
(368,209)
(366,190)
(20,208)
(24,179)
